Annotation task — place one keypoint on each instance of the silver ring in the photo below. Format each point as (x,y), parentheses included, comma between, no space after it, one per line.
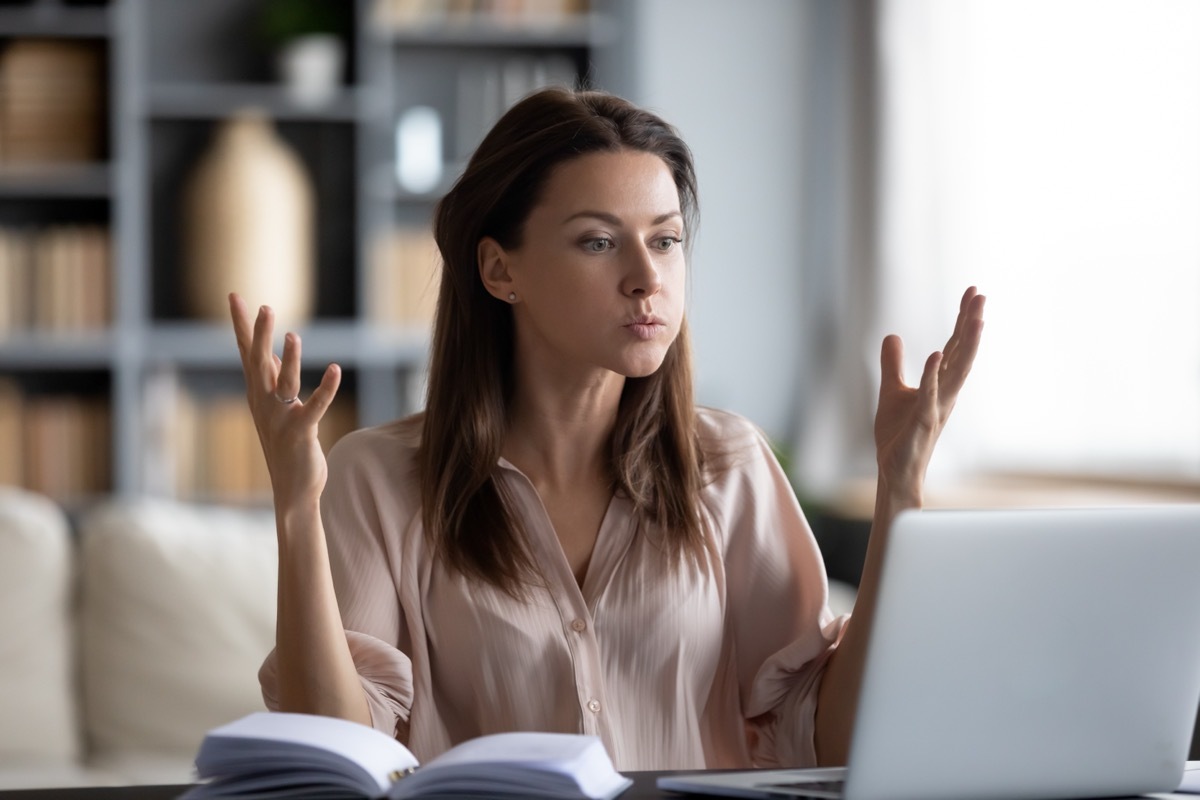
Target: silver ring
(287,401)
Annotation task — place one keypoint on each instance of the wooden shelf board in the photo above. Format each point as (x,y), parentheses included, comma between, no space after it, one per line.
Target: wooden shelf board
(218,101)
(54,21)
(55,180)
(352,344)
(57,350)
(583,31)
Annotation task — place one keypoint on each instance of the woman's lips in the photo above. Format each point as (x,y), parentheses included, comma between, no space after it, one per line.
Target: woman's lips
(646,330)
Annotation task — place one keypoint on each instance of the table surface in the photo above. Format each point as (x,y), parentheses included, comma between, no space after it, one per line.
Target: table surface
(643,789)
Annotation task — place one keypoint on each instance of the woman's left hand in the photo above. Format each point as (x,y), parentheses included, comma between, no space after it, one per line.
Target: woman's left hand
(909,420)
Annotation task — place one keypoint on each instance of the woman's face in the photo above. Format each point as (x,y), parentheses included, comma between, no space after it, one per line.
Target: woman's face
(599,276)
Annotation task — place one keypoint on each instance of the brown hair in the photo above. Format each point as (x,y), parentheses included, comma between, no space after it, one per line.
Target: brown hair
(655,457)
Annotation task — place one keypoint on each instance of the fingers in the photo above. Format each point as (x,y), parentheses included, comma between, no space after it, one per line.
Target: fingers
(970,307)
(964,305)
(243,332)
(970,294)
(956,357)
(963,345)
(929,390)
(287,384)
(318,403)
(891,361)
(249,334)
(267,373)
(241,321)
(263,370)
(892,369)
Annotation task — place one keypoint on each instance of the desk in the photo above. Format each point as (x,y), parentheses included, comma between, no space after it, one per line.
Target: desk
(643,789)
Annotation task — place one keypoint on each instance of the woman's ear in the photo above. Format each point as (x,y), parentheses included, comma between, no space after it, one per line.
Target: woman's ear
(493,269)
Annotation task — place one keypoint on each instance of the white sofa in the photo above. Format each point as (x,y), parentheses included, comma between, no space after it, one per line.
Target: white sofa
(122,643)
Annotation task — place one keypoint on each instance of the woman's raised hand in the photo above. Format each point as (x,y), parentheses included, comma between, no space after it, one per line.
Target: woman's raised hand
(287,425)
(909,420)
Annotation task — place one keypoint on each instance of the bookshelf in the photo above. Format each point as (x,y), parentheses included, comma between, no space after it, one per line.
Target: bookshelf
(144,396)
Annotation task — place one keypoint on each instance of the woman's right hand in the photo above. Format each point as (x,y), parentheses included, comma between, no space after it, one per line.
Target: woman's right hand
(287,426)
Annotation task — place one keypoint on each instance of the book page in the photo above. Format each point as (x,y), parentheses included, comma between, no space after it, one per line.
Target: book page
(521,764)
(273,740)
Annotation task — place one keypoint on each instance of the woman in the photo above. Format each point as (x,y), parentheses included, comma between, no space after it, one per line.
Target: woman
(562,540)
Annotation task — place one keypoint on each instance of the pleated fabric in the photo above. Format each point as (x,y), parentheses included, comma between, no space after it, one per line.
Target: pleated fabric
(673,667)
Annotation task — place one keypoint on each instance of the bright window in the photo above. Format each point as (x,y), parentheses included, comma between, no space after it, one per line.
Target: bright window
(1049,151)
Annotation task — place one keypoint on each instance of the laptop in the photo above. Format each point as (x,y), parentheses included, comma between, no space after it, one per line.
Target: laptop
(1019,654)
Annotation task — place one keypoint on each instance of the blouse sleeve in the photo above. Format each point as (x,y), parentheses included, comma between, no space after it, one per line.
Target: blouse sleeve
(368,598)
(778,593)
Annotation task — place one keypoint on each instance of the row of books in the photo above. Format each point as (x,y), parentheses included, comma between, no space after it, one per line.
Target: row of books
(55,279)
(52,101)
(403,278)
(59,278)
(57,444)
(400,15)
(201,444)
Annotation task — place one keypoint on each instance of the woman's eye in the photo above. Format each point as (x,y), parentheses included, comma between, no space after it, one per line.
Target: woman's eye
(597,245)
(667,242)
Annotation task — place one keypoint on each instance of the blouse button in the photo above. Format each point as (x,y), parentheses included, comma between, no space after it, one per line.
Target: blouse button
(579,626)
(594,706)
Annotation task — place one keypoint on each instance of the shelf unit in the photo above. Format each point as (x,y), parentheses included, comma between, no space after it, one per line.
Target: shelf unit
(176,69)
(57,366)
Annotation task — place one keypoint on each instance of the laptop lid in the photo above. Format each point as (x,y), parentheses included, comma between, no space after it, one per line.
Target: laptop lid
(1032,653)
(1020,654)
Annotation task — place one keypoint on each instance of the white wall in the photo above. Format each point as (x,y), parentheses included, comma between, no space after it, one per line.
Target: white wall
(728,75)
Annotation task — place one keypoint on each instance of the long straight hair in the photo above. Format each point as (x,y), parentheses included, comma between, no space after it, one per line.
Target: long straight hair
(655,457)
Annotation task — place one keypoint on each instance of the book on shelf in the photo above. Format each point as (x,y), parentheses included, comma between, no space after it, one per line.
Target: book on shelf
(234,466)
(274,754)
(403,277)
(83,270)
(16,292)
(402,15)
(12,450)
(65,444)
(52,103)
(55,278)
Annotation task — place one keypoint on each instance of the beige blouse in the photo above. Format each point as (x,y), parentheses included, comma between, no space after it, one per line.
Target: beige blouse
(672,668)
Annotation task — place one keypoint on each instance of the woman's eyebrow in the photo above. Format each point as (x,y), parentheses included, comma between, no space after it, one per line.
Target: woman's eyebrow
(613,219)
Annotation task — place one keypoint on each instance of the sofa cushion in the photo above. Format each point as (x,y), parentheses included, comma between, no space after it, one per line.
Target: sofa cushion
(177,614)
(38,696)
(54,776)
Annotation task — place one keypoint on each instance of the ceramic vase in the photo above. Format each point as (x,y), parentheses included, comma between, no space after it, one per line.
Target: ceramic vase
(311,69)
(249,225)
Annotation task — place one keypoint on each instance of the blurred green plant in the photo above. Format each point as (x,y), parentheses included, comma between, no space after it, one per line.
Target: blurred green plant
(784,455)
(281,21)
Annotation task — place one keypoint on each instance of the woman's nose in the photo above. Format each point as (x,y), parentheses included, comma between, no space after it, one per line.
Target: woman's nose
(641,278)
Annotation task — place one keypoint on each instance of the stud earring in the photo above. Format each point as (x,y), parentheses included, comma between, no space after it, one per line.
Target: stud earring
(512,297)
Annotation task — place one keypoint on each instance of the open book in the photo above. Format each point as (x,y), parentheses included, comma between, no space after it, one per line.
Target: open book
(275,754)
